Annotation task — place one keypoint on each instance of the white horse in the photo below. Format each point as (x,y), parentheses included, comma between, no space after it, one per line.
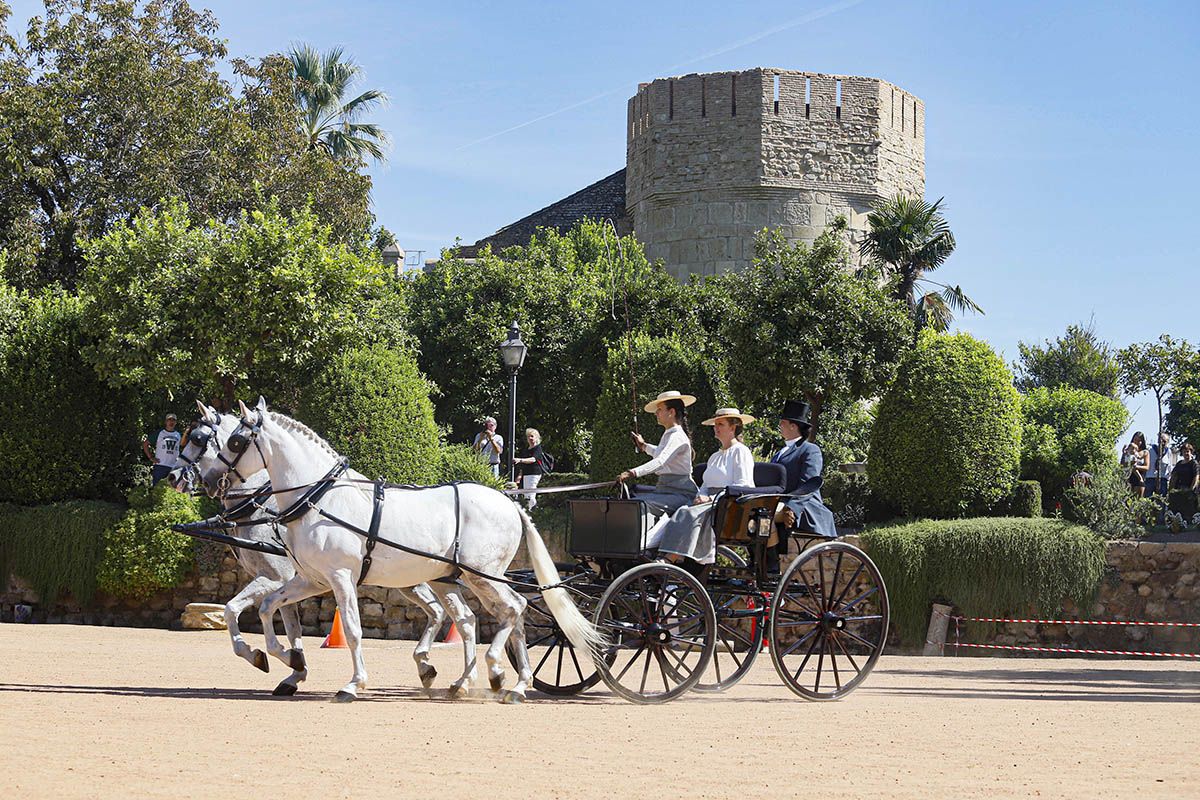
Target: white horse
(470,525)
(270,572)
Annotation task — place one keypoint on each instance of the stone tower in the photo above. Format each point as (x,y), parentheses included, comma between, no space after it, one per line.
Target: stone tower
(711,159)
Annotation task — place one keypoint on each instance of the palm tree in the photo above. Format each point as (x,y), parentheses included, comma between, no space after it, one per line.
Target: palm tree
(909,238)
(326,118)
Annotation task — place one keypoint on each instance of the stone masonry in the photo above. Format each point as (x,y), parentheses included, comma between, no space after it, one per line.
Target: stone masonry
(712,159)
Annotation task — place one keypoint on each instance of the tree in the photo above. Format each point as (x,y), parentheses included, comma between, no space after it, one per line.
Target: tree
(327,119)
(799,324)
(1154,367)
(110,106)
(1183,418)
(1079,359)
(908,239)
(255,306)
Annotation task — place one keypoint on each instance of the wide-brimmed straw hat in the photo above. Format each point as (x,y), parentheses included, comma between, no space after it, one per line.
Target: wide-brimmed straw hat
(663,397)
(729,413)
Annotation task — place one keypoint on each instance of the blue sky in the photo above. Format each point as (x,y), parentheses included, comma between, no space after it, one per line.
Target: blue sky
(1063,135)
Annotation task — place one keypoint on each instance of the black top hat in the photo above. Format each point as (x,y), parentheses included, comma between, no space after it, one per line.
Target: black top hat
(795,411)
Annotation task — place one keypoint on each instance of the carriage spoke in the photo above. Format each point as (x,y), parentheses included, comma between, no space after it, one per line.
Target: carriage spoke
(578,669)
(536,642)
(807,656)
(837,569)
(820,664)
(803,606)
(859,639)
(867,618)
(662,669)
(800,642)
(545,656)
(838,641)
(861,597)
(634,658)
(837,678)
(849,583)
(821,575)
(645,672)
(558,669)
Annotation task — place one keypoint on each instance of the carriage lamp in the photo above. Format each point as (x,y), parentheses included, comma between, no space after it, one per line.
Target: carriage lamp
(512,353)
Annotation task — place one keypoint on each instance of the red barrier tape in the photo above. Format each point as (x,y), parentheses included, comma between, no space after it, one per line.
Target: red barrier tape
(1070,650)
(1079,622)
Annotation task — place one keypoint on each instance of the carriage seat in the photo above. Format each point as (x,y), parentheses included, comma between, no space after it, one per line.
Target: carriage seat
(768,479)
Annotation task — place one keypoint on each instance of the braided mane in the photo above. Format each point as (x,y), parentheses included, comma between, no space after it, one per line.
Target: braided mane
(298,427)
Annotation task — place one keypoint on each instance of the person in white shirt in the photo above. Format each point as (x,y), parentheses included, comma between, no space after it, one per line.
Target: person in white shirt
(670,459)
(489,444)
(166,450)
(689,532)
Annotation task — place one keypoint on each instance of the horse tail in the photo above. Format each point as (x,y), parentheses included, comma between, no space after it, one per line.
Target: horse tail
(583,635)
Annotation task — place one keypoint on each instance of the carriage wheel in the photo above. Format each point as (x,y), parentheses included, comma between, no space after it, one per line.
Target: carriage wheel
(559,670)
(661,629)
(738,638)
(829,621)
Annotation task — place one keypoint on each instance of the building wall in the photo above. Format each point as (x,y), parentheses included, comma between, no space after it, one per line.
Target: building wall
(714,158)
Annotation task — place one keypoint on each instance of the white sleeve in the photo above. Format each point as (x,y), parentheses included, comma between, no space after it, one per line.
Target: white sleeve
(662,453)
(742,468)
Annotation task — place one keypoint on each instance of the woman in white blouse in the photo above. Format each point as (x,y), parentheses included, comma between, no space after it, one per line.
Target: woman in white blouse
(689,531)
(670,459)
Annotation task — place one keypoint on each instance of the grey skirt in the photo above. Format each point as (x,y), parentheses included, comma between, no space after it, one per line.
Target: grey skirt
(672,492)
(689,532)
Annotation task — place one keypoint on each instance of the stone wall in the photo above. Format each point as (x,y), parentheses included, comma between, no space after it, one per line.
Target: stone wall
(712,159)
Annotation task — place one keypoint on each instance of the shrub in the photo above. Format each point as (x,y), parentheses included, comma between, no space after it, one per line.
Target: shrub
(458,462)
(1104,503)
(142,555)
(559,479)
(1182,502)
(1067,430)
(659,365)
(947,434)
(1025,500)
(372,406)
(848,496)
(56,547)
(985,567)
(65,433)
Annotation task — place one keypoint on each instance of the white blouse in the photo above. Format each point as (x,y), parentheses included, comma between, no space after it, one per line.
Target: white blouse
(732,467)
(671,456)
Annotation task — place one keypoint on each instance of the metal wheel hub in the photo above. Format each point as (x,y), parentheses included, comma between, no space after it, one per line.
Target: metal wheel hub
(658,634)
(831,622)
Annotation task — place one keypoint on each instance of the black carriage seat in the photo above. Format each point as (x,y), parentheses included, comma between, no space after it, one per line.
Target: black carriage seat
(768,478)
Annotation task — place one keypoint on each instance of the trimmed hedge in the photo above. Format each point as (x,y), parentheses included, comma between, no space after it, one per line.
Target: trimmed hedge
(142,555)
(985,567)
(1065,431)
(1025,500)
(458,462)
(947,435)
(57,547)
(660,364)
(372,406)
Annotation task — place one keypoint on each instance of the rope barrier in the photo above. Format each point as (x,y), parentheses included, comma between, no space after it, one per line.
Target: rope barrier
(1075,650)
(1079,622)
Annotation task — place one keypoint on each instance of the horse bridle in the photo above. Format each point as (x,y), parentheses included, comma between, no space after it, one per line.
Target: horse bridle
(203,434)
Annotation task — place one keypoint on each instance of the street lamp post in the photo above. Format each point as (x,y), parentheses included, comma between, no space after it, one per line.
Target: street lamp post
(512,352)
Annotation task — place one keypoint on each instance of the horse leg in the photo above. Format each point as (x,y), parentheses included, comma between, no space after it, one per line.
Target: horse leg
(507,607)
(296,589)
(464,620)
(294,631)
(251,594)
(425,597)
(345,591)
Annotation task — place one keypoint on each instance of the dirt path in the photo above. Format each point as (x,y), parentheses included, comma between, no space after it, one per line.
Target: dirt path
(104,712)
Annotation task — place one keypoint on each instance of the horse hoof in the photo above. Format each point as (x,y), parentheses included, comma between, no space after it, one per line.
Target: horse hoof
(427,673)
(296,659)
(457,692)
(497,682)
(343,697)
(511,698)
(284,689)
(260,661)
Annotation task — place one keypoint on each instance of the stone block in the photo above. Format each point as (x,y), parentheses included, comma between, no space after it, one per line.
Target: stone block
(371,612)
(720,213)
(204,617)
(1150,548)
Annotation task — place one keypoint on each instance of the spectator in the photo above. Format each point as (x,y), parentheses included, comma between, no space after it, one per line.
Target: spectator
(1163,458)
(166,450)
(490,444)
(533,464)
(1186,474)
(1136,457)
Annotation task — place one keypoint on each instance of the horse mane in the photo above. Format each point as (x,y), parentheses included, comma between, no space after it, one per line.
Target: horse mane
(298,427)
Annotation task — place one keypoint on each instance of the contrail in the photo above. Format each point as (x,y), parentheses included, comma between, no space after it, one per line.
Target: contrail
(810,17)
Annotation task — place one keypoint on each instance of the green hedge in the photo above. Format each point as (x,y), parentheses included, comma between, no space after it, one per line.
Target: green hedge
(56,547)
(372,406)
(142,555)
(1065,431)
(1025,500)
(984,567)
(459,462)
(660,364)
(947,434)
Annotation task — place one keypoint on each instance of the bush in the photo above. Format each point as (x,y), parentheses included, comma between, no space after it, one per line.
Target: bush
(985,567)
(142,555)
(1182,502)
(660,365)
(1065,431)
(1104,503)
(56,547)
(1025,500)
(947,434)
(848,495)
(65,433)
(459,462)
(372,406)
(560,479)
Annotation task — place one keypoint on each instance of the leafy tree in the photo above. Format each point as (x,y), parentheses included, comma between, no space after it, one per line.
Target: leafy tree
(947,435)
(567,292)
(797,323)
(1153,367)
(1079,359)
(908,239)
(257,306)
(1183,418)
(327,119)
(109,106)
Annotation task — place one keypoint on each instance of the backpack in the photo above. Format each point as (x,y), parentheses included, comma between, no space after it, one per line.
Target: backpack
(547,463)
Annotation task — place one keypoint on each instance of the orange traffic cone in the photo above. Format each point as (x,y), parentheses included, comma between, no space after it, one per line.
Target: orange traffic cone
(452,635)
(335,638)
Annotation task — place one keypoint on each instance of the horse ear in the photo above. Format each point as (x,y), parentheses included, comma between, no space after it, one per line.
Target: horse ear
(261,406)
(242,408)
(206,413)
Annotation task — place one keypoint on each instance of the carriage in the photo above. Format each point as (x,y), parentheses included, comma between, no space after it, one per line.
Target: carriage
(824,619)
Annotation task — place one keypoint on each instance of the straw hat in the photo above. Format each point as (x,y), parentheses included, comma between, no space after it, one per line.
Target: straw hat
(728,413)
(663,397)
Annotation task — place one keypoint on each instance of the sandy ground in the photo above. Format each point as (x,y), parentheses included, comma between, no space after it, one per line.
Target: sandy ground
(103,712)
